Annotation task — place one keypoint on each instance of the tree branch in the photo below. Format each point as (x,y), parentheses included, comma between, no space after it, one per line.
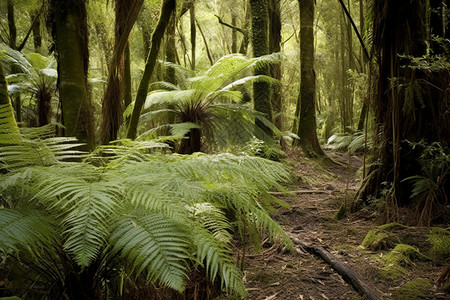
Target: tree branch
(229,25)
(366,53)
(29,30)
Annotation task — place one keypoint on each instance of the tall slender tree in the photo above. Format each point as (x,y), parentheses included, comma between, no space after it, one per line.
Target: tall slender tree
(275,69)
(306,103)
(70,35)
(126,13)
(260,41)
(167,8)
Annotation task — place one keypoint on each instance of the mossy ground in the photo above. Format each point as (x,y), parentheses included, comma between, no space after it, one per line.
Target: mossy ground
(413,290)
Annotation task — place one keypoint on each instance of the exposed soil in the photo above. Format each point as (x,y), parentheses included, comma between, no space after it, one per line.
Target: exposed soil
(278,274)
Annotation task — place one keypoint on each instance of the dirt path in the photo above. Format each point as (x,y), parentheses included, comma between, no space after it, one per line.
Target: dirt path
(276,274)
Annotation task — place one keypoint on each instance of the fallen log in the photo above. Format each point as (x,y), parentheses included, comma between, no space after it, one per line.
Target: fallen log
(348,274)
(299,192)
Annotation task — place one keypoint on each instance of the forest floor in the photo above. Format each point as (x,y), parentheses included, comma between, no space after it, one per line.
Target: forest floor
(278,274)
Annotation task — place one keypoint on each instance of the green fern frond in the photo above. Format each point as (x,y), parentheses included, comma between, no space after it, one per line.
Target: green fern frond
(85,208)
(217,260)
(154,244)
(9,132)
(28,230)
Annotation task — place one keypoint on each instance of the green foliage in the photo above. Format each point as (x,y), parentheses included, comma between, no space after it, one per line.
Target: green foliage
(350,142)
(440,239)
(126,207)
(413,289)
(383,237)
(211,103)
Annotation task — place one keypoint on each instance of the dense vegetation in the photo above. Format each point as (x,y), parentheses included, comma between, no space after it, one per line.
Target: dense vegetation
(140,140)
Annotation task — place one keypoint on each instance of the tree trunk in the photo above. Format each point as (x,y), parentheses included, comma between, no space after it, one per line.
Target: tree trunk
(112,107)
(275,69)
(193,33)
(13,45)
(404,117)
(233,33)
(307,119)
(245,29)
(5,106)
(260,40)
(167,8)
(71,39)
(36,28)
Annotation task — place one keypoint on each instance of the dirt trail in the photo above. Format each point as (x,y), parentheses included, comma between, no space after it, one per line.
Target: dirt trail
(276,274)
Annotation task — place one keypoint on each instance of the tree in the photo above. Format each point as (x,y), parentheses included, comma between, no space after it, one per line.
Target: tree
(275,70)
(167,8)
(126,14)
(306,103)
(412,123)
(260,42)
(70,35)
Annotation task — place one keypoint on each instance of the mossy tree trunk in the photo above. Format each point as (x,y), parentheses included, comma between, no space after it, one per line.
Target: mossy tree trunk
(5,104)
(260,41)
(307,96)
(119,82)
(17,102)
(275,69)
(167,8)
(412,105)
(70,34)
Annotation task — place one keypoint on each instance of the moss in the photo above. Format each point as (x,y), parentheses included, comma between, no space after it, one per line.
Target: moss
(413,290)
(377,239)
(404,255)
(345,247)
(394,262)
(447,286)
(440,240)
(392,227)
(383,237)
(341,212)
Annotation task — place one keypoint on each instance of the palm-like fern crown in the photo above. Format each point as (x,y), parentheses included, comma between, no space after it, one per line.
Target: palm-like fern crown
(211,101)
(152,214)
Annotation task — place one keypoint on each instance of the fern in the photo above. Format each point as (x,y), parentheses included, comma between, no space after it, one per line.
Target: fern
(154,244)
(27,230)
(129,207)
(212,102)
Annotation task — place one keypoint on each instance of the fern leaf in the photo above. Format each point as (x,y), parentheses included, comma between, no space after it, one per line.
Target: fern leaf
(27,229)
(154,244)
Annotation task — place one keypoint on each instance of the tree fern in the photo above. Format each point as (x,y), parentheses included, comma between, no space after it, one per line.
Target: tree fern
(212,102)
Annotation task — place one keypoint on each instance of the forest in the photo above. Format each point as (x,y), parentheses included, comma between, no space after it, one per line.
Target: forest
(240,149)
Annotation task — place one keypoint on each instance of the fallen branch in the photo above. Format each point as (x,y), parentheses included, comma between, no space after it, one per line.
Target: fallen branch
(348,274)
(300,192)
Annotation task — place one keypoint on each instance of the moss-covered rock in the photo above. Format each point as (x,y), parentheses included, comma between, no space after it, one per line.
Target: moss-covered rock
(413,290)
(382,237)
(397,259)
(440,240)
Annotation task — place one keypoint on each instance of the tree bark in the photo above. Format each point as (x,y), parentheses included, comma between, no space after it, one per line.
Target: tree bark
(36,28)
(307,96)
(193,33)
(69,20)
(401,117)
(260,40)
(275,69)
(167,8)
(112,106)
